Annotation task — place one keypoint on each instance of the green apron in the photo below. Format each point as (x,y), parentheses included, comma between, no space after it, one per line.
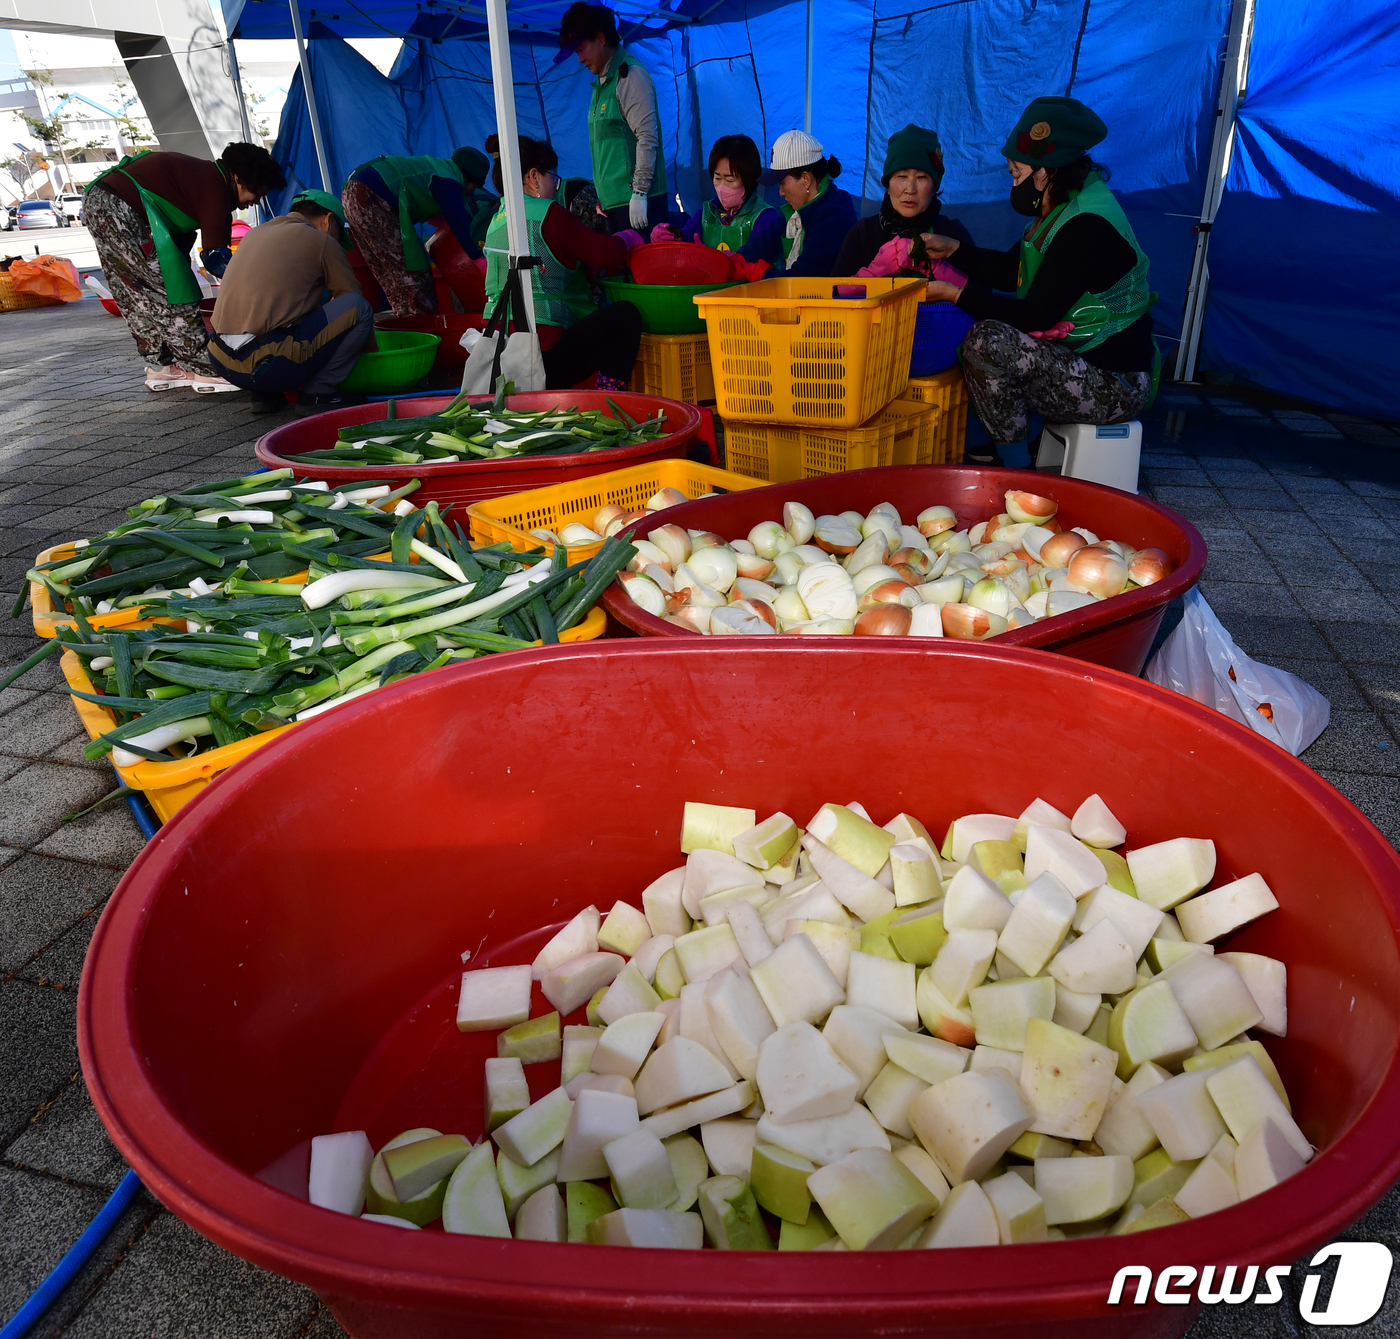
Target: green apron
(788,211)
(165,221)
(614,145)
(730,236)
(410,179)
(561,295)
(1096,316)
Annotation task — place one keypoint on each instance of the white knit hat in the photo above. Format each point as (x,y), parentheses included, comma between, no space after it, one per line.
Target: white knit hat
(791,153)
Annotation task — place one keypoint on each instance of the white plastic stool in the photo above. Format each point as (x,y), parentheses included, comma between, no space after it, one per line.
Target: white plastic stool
(1103,453)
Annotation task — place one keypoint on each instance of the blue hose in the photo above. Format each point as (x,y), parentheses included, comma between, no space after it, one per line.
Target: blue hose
(45,1294)
(145,819)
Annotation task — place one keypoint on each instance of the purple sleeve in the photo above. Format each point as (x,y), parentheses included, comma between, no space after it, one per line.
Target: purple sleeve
(766,240)
(693,228)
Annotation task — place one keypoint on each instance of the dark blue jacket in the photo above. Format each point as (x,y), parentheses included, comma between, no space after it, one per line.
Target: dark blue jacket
(825,223)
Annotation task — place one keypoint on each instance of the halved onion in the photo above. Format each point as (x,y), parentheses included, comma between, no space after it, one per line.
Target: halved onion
(884,620)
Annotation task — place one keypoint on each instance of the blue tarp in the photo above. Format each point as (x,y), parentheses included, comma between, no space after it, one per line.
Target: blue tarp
(966,68)
(1305,253)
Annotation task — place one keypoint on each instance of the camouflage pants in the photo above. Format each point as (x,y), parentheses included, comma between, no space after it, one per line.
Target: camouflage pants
(374,225)
(165,332)
(1011,376)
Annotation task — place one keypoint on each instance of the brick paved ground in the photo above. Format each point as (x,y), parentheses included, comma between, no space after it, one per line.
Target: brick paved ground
(1301,512)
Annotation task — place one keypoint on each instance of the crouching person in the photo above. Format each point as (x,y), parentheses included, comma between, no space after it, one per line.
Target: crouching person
(272,331)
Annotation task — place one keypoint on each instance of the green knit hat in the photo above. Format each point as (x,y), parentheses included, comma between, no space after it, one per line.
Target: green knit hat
(473,164)
(327,201)
(916,148)
(1053,132)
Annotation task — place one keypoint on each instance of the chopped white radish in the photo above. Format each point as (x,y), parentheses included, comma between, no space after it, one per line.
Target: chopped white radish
(339,1174)
(493,997)
(1094,824)
(572,984)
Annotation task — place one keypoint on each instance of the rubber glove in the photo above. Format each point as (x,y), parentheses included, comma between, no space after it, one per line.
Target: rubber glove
(888,260)
(949,274)
(664,232)
(216,260)
(632,240)
(480,263)
(1059,330)
(749,271)
(637,211)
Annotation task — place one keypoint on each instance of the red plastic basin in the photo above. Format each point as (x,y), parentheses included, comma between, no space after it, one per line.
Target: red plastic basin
(450,481)
(449,327)
(678,263)
(282,960)
(1116,632)
(463,277)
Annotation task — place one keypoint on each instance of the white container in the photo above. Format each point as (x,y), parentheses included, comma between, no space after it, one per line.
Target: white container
(1103,453)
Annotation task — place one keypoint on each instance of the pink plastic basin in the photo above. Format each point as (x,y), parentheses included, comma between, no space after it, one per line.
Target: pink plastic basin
(451,481)
(282,961)
(1116,632)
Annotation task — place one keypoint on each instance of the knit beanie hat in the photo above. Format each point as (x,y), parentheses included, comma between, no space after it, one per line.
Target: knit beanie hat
(916,148)
(472,164)
(1053,132)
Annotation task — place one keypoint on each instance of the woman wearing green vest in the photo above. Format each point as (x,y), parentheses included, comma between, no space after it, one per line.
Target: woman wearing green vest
(624,126)
(738,219)
(385,198)
(143,215)
(577,337)
(1075,342)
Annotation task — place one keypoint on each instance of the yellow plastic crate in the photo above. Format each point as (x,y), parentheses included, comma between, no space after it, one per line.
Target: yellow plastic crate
(948,391)
(168,786)
(512,517)
(12,300)
(676,366)
(899,434)
(791,351)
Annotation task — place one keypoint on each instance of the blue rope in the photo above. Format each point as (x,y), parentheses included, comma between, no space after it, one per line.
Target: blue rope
(46,1293)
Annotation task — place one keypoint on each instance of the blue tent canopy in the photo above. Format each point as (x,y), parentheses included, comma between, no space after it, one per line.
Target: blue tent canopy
(1304,161)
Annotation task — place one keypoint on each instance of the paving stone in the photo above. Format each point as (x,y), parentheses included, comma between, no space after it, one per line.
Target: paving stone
(39,1220)
(1361,643)
(34,727)
(1232,598)
(1381,683)
(69,1140)
(34,801)
(1335,575)
(1355,741)
(1260,635)
(174,1284)
(1231,538)
(1378,797)
(109,836)
(40,899)
(40,1055)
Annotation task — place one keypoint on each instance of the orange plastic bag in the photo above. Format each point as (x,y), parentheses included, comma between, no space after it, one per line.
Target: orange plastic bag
(47,277)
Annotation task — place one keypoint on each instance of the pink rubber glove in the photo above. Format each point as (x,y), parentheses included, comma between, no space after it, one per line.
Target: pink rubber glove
(480,263)
(888,260)
(664,232)
(1057,331)
(631,238)
(949,274)
(749,271)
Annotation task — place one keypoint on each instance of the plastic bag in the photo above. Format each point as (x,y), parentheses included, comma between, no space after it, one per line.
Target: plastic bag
(47,277)
(1201,661)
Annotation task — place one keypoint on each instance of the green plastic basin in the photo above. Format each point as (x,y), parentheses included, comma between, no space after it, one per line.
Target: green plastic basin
(666,309)
(404,357)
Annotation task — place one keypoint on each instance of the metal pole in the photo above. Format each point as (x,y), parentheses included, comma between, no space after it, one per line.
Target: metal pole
(807,103)
(503,83)
(310,90)
(1234,77)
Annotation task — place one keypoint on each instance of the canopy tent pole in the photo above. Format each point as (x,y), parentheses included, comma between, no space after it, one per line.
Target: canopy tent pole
(310,89)
(1234,76)
(502,81)
(807,103)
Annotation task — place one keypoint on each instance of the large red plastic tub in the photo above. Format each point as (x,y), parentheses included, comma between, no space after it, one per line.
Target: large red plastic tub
(678,263)
(449,481)
(1116,632)
(282,961)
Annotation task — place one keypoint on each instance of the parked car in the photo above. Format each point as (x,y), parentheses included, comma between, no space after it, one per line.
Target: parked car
(7,217)
(38,214)
(70,206)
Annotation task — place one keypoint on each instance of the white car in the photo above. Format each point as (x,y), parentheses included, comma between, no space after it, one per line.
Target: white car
(70,206)
(37,214)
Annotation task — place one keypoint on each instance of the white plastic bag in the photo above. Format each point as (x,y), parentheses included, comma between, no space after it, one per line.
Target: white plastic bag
(521,362)
(1200,660)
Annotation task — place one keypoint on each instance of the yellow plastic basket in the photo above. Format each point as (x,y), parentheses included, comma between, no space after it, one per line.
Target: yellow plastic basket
(793,351)
(947,390)
(12,300)
(170,785)
(901,433)
(676,366)
(511,518)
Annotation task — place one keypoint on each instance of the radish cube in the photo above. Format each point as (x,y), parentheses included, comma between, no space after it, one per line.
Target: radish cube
(340,1171)
(493,997)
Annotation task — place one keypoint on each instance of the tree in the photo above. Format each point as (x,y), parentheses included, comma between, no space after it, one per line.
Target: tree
(48,130)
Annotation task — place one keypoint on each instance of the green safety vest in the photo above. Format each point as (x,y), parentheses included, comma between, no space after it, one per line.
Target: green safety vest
(409,179)
(562,295)
(613,144)
(165,221)
(1096,316)
(730,236)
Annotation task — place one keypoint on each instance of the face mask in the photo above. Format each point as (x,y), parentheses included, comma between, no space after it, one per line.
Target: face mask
(731,197)
(1025,197)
